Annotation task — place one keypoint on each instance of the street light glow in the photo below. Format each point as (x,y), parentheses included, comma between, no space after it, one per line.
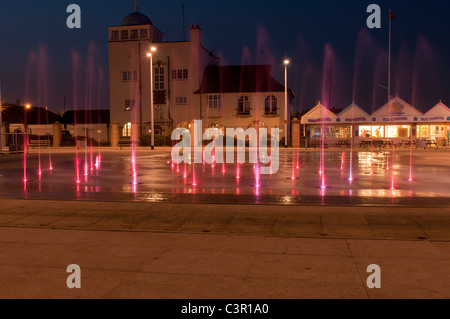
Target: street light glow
(28,106)
(286,118)
(152,49)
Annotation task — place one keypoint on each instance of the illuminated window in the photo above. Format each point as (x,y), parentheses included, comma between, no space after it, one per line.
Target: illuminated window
(126,131)
(129,105)
(134,34)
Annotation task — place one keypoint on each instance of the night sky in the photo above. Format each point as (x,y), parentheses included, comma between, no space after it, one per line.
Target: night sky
(324,39)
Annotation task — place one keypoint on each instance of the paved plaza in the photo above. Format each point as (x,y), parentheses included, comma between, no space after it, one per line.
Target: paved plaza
(160,241)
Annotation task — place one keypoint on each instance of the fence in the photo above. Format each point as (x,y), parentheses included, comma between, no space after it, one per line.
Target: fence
(15,142)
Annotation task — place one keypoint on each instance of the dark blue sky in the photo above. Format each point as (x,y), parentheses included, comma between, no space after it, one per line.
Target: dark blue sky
(311,33)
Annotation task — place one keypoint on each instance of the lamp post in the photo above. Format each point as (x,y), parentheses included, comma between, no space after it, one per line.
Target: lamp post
(27,107)
(286,119)
(150,55)
(1,126)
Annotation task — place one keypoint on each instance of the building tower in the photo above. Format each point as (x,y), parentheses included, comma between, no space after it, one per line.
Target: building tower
(178,69)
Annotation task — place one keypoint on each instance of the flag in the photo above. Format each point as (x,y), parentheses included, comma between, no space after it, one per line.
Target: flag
(392,16)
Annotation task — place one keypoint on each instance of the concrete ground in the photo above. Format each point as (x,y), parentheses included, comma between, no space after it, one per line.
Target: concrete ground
(187,251)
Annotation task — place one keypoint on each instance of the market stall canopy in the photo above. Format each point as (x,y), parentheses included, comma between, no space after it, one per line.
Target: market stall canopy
(396,110)
(353,114)
(319,114)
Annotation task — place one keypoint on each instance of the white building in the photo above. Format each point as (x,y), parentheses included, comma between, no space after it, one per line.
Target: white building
(188,84)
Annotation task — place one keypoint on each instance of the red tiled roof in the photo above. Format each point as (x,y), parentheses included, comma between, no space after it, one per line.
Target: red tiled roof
(239,79)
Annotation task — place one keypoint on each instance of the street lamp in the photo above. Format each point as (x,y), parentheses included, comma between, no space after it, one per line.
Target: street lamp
(1,126)
(286,121)
(150,55)
(27,107)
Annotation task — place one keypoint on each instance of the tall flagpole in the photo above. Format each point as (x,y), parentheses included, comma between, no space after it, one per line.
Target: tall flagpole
(389,66)
(1,121)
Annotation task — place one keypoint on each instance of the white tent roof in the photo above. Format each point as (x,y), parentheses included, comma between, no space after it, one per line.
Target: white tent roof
(439,109)
(397,107)
(354,113)
(319,114)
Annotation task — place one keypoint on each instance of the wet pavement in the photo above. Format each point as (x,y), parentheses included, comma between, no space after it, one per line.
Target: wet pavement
(286,239)
(379,178)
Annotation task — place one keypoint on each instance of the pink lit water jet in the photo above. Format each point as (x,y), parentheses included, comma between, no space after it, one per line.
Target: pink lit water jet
(392,170)
(293,167)
(410,160)
(238,171)
(194,180)
(257,177)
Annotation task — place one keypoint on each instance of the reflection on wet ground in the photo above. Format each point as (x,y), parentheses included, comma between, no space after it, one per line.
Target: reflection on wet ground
(374,179)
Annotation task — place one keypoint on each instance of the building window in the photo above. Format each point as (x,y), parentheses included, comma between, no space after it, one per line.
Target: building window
(124,34)
(160,112)
(181,74)
(129,105)
(115,35)
(244,105)
(159,78)
(181,100)
(144,33)
(214,101)
(134,34)
(129,76)
(126,131)
(271,105)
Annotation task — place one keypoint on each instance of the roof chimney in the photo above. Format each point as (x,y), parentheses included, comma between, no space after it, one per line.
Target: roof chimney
(196,35)
(18,102)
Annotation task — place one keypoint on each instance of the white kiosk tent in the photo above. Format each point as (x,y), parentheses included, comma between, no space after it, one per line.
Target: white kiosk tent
(336,127)
(435,125)
(395,120)
(319,121)
(351,118)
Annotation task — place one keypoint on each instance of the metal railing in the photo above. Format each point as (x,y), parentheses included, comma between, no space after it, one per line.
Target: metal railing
(15,142)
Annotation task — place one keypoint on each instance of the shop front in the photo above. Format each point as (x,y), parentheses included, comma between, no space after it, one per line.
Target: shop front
(435,125)
(396,123)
